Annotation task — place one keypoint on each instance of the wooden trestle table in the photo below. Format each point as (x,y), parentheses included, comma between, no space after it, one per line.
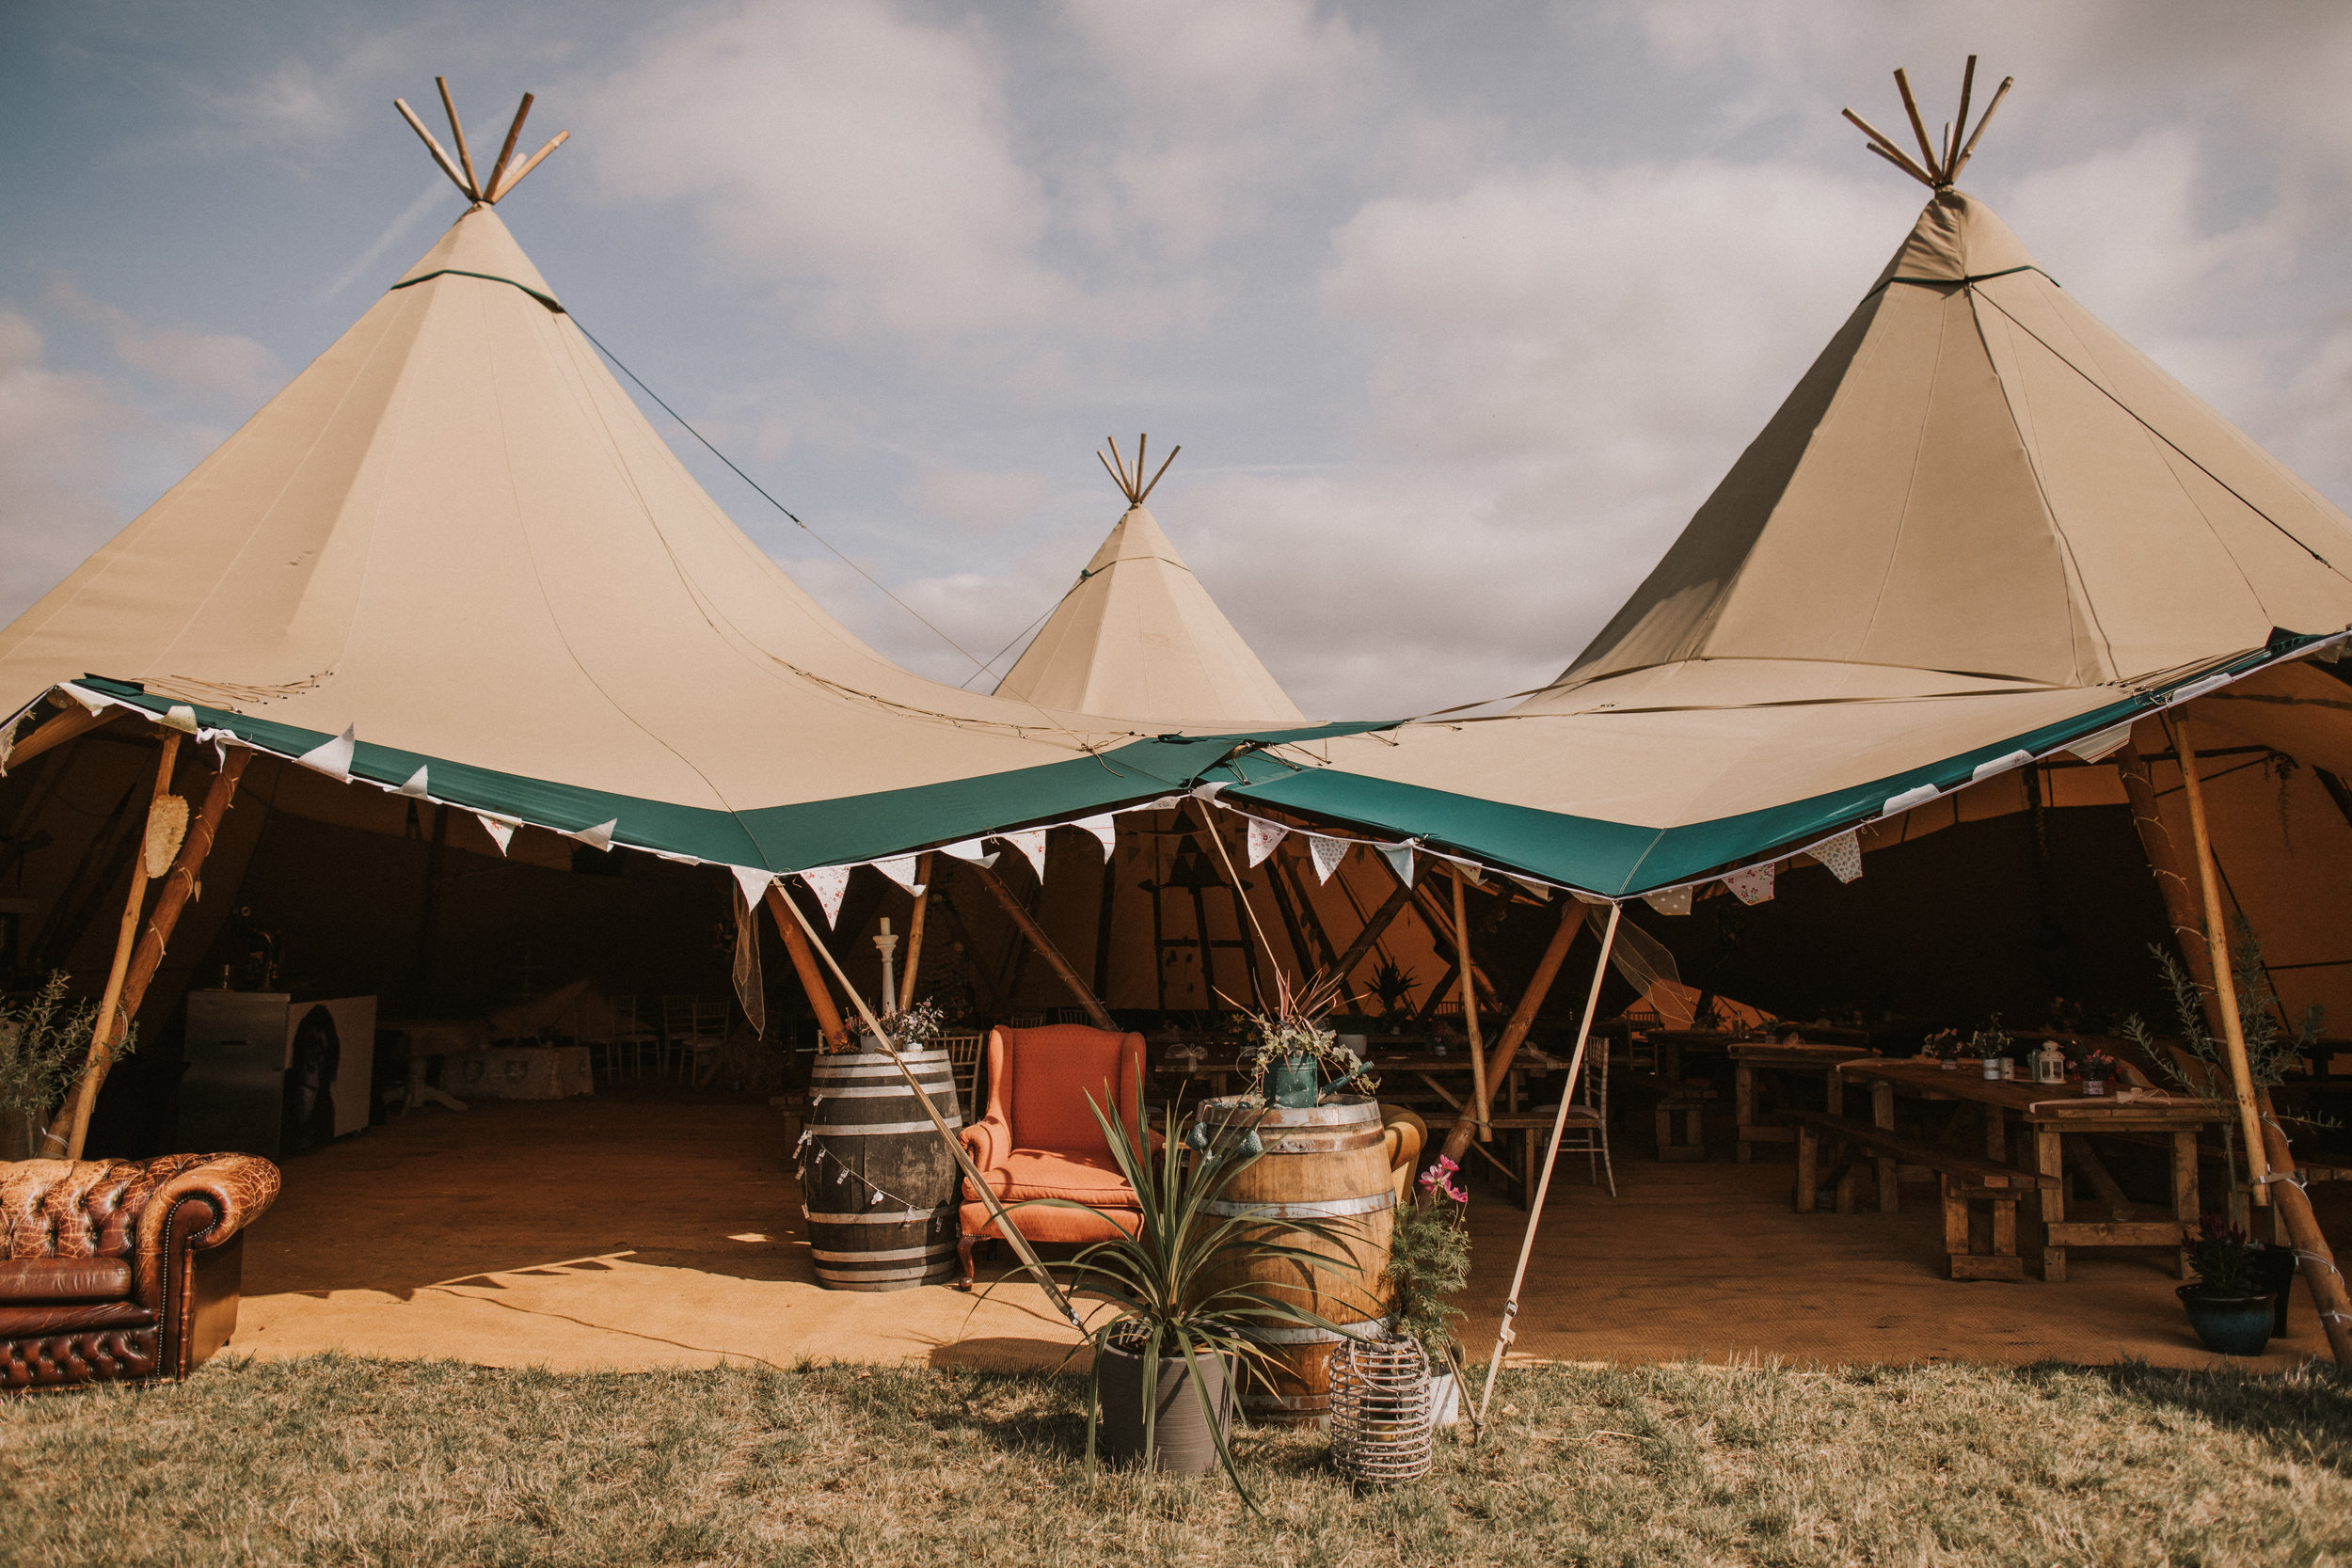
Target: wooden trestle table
(2051,1112)
(1748,1057)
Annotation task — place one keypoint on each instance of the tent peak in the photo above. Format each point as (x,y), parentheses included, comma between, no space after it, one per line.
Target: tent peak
(1130,480)
(504,178)
(1940,162)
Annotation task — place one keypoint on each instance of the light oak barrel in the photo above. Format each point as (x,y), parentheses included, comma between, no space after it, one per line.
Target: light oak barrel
(865,1126)
(1329,1162)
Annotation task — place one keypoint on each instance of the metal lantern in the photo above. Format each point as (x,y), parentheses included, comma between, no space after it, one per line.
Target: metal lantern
(1381,1413)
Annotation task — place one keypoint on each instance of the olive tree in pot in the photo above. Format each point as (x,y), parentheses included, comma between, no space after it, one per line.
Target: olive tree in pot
(43,1043)
(1429,1262)
(1170,1351)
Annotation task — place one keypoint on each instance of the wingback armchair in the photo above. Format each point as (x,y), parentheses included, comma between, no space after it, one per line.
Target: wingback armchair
(114,1270)
(1040,1139)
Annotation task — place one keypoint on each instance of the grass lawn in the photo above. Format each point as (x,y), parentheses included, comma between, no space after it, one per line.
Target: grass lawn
(337,1459)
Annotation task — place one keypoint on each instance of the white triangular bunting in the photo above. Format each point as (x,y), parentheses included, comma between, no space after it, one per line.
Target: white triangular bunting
(1264,836)
(1105,829)
(1400,859)
(2103,743)
(1031,842)
(1537,888)
(1751,884)
(1163,804)
(501,832)
(598,837)
(753,882)
(333,757)
(1672,900)
(415,784)
(828,882)
(1842,855)
(902,869)
(969,851)
(1327,854)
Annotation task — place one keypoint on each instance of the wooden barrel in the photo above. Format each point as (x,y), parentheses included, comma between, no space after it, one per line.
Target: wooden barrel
(877,1186)
(1327,1162)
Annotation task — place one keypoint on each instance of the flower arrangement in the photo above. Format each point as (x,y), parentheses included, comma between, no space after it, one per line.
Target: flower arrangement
(2224,1260)
(910,1029)
(1296,1049)
(1991,1042)
(1429,1262)
(1944,1045)
(2098,1064)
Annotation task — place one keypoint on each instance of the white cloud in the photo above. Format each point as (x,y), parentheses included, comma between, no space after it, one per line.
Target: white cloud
(862,157)
(219,368)
(57,438)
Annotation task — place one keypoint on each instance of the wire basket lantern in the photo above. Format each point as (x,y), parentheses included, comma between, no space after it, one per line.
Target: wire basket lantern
(1381,1412)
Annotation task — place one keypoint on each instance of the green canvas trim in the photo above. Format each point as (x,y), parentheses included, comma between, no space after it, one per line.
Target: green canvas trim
(548,300)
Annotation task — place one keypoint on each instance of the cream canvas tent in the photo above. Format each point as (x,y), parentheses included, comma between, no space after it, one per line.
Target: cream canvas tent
(451,559)
(1982,529)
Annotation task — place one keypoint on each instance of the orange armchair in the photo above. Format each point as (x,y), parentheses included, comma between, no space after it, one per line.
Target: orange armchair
(1039,1138)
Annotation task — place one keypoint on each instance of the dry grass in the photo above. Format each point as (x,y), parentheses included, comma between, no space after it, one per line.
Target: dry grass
(335,1460)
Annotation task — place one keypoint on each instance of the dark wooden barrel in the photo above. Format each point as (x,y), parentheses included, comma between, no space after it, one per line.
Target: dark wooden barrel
(867,1136)
(1328,1162)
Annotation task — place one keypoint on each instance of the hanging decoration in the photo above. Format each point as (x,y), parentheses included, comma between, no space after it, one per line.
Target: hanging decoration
(828,883)
(501,830)
(416,787)
(969,851)
(1264,836)
(1672,900)
(1753,884)
(1842,855)
(816,1159)
(900,869)
(751,989)
(1400,859)
(1031,842)
(1105,829)
(1327,854)
(598,837)
(333,757)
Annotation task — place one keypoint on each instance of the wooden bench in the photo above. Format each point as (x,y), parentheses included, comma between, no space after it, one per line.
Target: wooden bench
(1963,1179)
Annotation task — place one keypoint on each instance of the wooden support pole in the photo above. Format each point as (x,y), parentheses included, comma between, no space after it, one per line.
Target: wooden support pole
(506,153)
(1572,917)
(1044,945)
(457,134)
(2173,884)
(2224,978)
(1379,921)
(1469,992)
(812,980)
(1451,940)
(2316,1258)
(914,931)
(55,730)
(72,1119)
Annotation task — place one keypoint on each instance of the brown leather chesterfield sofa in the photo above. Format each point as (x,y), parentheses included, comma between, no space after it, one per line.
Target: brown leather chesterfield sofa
(113,1269)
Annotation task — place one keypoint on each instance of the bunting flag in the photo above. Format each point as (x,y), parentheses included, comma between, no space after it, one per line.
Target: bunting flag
(1842,855)
(828,882)
(416,787)
(1105,829)
(1264,836)
(501,830)
(1753,884)
(1163,804)
(752,881)
(598,837)
(333,757)
(1537,888)
(968,850)
(1673,900)
(1327,854)
(751,990)
(1031,842)
(902,869)
(1400,859)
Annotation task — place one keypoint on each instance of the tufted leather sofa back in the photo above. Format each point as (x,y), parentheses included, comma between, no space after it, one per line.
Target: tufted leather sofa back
(80,1208)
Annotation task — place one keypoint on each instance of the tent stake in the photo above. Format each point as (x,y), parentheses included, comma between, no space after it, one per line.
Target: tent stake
(2224,977)
(1504,1332)
(955,1144)
(1572,916)
(1044,944)
(73,1120)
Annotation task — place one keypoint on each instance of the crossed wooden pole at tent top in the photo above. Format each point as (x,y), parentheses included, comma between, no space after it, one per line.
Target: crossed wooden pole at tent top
(1940,162)
(1130,480)
(460,171)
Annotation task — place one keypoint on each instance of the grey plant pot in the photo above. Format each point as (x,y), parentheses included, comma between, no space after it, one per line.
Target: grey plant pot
(1186,1443)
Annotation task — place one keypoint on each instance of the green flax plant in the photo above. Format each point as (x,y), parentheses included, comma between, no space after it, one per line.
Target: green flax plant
(1175,1286)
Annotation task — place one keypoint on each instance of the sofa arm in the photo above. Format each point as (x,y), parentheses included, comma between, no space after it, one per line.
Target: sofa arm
(989,1141)
(223,1193)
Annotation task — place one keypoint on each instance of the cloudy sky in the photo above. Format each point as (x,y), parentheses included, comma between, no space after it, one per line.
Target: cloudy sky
(1457,309)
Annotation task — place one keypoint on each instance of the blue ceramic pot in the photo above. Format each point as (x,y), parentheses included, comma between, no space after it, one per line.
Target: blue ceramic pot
(2237,1324)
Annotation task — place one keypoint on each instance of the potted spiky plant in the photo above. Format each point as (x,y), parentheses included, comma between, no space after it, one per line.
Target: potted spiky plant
(1393,985)
(1168,1354)
(1297,1059)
